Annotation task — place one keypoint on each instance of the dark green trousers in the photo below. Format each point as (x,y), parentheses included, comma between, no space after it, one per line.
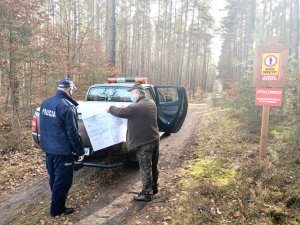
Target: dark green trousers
(148,155)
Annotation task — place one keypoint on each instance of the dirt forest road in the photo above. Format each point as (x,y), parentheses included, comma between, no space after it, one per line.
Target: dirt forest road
(121,209)
(113,204)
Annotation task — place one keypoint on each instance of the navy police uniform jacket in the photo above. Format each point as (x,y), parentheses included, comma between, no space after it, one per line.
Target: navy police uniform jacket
(59,127)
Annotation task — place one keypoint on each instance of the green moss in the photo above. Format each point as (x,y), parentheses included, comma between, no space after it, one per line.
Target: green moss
(233,121)
(208,169)
(277,195)
(277,130)
(181,209)
(293,222)
(175,223)
(183,198)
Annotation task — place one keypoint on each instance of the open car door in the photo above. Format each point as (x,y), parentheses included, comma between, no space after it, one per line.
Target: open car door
(172,107)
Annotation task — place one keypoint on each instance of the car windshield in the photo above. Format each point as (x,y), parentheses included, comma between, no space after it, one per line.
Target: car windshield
(109,94)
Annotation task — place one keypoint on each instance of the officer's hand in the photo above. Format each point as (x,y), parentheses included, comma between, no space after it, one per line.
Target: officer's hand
(80,158)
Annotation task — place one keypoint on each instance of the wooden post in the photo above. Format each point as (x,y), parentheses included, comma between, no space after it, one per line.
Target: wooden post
(264,131)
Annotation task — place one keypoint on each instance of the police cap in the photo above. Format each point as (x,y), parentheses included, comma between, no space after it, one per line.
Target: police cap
(66,83)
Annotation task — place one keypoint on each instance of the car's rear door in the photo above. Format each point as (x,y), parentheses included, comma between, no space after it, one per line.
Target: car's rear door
(172,107)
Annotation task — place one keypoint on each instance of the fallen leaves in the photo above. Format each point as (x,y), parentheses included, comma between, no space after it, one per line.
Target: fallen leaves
(168,218)
(237,214)
(20,168)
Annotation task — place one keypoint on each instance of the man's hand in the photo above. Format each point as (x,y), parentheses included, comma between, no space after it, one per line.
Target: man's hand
(80,158)
(109,108)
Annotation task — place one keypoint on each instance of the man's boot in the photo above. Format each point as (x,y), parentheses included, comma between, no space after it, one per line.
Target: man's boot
(154,190)
(141,197)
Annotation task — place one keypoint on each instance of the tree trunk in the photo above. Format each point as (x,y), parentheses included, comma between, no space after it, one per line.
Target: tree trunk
(74,31)
(294,29)
(111,32)
(13,80)
(250,31)
(181,56)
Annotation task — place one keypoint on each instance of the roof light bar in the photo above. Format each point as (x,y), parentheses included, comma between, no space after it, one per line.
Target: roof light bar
(142,80)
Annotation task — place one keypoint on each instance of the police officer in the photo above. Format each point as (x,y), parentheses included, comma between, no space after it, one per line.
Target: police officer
(60,139)
(143,137)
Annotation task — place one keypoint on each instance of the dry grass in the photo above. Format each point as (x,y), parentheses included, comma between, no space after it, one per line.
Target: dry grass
(227,184)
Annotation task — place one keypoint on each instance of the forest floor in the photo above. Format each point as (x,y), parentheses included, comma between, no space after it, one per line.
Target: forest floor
(209,174)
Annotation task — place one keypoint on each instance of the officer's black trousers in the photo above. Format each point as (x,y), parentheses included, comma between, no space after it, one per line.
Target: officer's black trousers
(60,169)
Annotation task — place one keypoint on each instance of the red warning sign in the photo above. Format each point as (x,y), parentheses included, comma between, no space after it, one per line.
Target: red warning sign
(269,96)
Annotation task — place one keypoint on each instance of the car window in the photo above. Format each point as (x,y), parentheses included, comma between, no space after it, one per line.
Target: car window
(148,93)
(109,94)
(160,97)
(167,95)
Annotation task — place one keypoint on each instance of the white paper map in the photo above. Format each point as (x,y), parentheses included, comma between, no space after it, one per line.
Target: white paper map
(105,130)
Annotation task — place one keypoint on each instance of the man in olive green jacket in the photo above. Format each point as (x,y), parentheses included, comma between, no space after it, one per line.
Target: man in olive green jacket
(143,137)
